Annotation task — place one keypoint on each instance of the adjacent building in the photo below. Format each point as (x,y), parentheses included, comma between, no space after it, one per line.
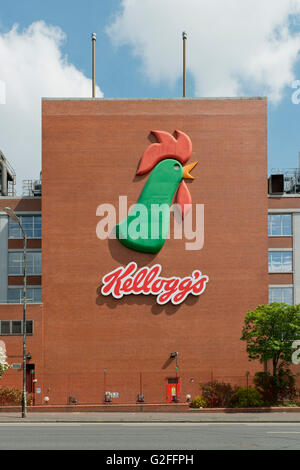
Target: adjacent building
(284,235)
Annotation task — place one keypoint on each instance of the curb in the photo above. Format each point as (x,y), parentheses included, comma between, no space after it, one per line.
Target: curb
(143,408)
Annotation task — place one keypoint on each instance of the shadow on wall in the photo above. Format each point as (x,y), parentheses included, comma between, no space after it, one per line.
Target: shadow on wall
(139,300)
(168,362)
(124,255)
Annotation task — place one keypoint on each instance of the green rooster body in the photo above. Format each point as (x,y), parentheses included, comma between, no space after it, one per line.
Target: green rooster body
(146,227)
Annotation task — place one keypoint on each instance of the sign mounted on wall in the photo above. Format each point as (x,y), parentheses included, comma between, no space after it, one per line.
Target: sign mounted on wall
(147,280)
(145,229)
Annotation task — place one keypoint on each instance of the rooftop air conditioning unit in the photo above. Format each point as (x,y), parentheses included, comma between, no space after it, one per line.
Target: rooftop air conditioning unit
(276,184)
(37,189)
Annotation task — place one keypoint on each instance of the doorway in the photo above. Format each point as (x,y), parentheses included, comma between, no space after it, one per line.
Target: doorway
(173,389)
(30,384)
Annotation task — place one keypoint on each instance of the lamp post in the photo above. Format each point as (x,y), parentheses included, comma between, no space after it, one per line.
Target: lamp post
(14,217)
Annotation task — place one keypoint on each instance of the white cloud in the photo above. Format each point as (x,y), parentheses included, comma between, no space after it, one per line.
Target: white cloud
(233,46)
(32,66)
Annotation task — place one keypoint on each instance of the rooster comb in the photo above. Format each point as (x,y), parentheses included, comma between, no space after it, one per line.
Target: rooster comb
(179,148)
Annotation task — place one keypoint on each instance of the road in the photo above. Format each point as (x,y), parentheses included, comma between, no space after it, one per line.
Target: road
(149,436)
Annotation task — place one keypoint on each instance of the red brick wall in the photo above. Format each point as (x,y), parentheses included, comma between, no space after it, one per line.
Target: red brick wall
(280,242)
(21,204)
(91,150)
(286,202)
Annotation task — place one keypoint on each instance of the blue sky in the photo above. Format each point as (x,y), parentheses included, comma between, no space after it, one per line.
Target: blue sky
(125,57)
(117,71)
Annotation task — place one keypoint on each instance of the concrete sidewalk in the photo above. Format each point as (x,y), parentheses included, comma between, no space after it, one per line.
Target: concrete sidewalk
(157,417)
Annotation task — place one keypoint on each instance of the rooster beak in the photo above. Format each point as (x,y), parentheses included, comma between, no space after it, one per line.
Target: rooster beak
(186,170)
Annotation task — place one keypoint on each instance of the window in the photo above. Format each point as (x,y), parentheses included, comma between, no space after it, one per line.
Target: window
(280,225)
(32,225)
(16,263)
(281,294)
(5,327)
(15,295)
(280,261)
(29,327)
(15,327)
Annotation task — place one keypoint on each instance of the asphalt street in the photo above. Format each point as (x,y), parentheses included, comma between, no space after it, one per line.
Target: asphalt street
(148,436)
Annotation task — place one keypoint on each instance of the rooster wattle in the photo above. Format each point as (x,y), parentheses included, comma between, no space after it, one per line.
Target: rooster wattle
(146,227)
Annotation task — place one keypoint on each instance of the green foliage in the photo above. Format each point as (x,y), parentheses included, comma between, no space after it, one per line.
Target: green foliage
(269,332)
(198,402)
(290,404)
(3,368)
(217,394)
(12,396)
(279,387)
(239,398)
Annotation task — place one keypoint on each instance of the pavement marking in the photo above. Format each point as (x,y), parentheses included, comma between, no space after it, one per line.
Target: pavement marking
(283,432)
(281,423)
(39,424)
(151,424)
(117,424)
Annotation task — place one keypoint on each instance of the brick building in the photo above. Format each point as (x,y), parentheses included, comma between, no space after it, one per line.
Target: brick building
(83,344)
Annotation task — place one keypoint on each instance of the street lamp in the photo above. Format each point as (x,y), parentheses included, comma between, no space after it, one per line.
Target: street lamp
(14,217)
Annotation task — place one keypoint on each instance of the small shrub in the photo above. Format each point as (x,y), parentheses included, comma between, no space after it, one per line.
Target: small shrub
(274,388)
(3,367)
(289,404)
(218,394)
(239,398)
(199,402)
(12,396)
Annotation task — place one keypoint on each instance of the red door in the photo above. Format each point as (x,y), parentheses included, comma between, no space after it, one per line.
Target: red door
(173,389)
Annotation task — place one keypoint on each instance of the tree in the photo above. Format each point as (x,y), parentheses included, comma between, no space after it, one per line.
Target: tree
(270,331)
(3,363)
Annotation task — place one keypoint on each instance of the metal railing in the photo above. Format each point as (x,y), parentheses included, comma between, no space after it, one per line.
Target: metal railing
(32,188)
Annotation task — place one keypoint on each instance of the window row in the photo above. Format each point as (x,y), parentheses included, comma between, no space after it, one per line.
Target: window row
(15,295)
(280,225)
(281,294)
(32,226)
(280,261)
(16,263)
(15,327)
